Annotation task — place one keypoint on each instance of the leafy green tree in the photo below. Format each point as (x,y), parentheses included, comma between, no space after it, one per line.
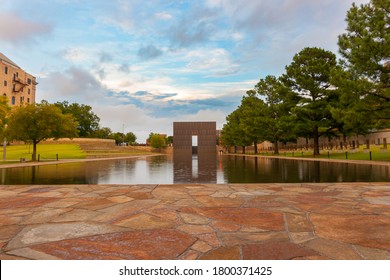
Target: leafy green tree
(119,137)
(365,47)
(227,139)
(102,132)
(37,122)
(157,141)
(250,120)
(130,138)
(275,116)
(88,121)
(232,134)
(309,76)
(349,113)
(170,140)
(4,110)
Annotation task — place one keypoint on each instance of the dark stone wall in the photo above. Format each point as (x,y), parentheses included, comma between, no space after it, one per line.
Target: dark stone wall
(199,167)
(206,132)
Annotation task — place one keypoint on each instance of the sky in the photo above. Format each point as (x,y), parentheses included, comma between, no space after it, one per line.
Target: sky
(141,65)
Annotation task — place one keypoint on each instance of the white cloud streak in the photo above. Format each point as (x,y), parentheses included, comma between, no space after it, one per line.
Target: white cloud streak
(16,30)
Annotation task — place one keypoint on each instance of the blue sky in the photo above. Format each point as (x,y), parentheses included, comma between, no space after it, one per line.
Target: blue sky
(143,64)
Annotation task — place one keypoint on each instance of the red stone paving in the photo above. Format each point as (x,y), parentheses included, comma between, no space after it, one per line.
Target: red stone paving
(250,217)
(22,202)
(145,245)
(276,251)
(195,221)
(223,253)
(366,230)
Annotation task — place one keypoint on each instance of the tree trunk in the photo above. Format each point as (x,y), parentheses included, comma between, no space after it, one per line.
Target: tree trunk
(357,141)
(316,141)
(255,144)
(34,152)
(243,150)
(345,141)
(235,149)
(276,147)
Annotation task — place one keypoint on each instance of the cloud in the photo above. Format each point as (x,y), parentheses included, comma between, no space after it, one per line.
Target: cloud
(160,105)
(135,17)
(212,62)
(75,84)
(144,99)
(141,93)
(124,68)
(16,30)
(163,16)
(216,115)
(149,52)
(133,119)
(267,34)
(197,25)
(76,54)
(186,34)
(105,57)
(165,96)
(192,107)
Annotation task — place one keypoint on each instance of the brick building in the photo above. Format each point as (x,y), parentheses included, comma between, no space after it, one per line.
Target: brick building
(16,84)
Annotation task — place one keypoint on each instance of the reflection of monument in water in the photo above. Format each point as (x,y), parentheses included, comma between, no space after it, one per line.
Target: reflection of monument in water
(194,152)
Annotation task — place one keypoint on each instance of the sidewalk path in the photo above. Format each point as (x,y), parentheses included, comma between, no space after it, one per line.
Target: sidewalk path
(195,221)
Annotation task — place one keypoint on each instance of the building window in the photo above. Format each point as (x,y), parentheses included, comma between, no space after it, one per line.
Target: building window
(6,70)
(13,100)
(29,91)
(5,94)
(29,81)
(28,100)
(5,83)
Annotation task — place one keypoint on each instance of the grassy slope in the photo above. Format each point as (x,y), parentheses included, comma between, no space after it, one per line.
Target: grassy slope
(65,151)
(46,151)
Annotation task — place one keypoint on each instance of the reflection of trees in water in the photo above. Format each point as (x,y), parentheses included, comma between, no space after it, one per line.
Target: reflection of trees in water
(46,174)
(156,163)
(235,169)
(156,160)
(240,169)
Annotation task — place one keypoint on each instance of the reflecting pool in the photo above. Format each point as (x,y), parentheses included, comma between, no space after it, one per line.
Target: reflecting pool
(195,169)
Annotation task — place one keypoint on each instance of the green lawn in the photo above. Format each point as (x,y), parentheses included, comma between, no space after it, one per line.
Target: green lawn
(49,152)
(361,154)
(46,152)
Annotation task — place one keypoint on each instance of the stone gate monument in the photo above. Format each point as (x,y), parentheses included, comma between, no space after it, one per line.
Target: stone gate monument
(194,152)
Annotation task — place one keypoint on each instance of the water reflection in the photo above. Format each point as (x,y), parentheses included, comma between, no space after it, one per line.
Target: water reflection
(201,168)
(238,169)
(194,168)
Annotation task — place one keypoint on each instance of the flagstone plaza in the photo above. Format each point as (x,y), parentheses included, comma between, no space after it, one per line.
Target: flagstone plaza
(196,221)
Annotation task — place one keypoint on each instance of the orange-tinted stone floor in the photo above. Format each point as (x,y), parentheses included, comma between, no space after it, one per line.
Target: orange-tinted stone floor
(231,221)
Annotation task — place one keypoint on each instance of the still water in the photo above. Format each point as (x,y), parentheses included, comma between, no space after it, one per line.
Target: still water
(219,169)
